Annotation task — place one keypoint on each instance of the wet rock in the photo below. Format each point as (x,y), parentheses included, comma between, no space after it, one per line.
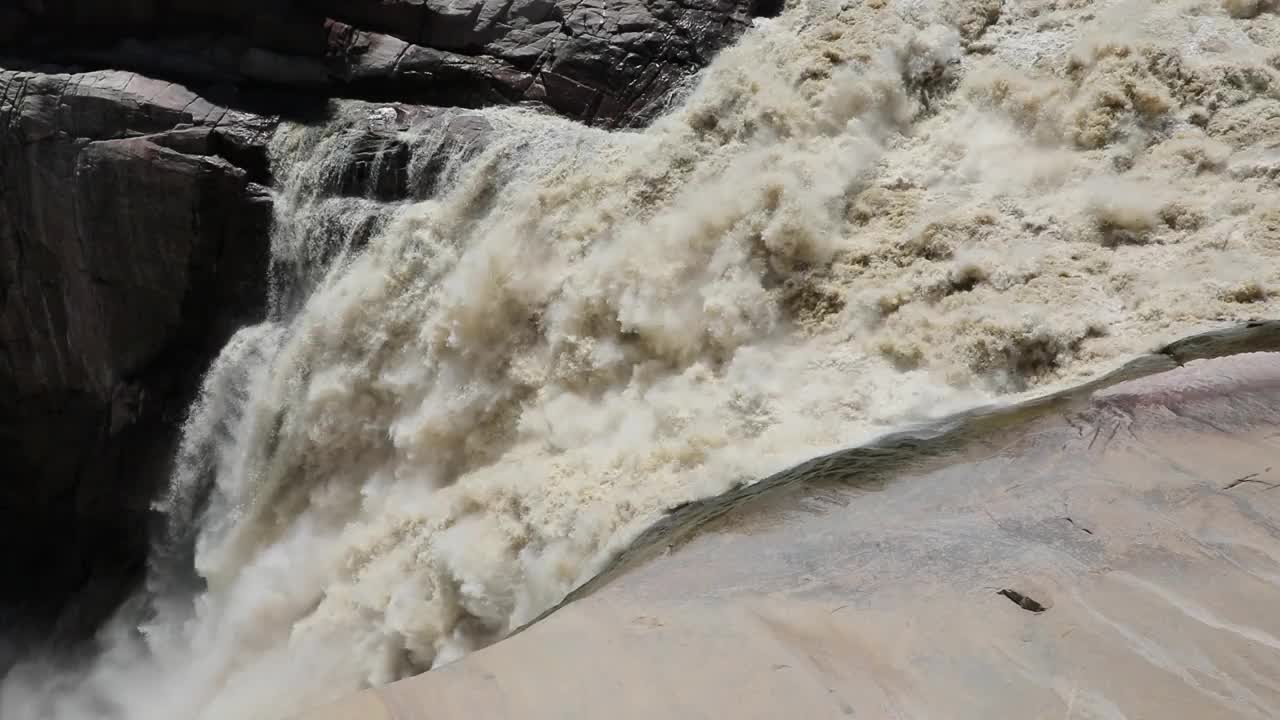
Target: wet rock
(956,579)
(401,152)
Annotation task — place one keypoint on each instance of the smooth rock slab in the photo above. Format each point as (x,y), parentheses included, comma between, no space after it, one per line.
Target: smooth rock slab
(1104,555)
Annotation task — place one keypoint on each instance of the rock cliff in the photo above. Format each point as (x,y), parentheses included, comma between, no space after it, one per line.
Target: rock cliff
(131,226)
(135,208)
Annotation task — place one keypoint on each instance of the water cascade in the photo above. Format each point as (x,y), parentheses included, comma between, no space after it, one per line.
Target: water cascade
(494,356)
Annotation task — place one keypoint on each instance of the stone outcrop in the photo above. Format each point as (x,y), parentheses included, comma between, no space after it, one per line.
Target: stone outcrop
(611,62)
(134,213)
(132,234)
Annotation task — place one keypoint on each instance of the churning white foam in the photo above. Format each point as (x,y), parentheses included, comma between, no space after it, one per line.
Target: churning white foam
(862,215)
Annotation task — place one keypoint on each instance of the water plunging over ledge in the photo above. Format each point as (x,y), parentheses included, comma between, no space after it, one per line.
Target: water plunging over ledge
(465,403)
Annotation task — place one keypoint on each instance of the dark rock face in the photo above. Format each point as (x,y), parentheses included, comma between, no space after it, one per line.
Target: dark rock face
(611,62)
(134,214)
(380,160)
(130,249)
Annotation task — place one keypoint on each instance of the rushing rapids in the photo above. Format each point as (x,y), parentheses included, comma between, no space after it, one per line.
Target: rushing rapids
(861,216)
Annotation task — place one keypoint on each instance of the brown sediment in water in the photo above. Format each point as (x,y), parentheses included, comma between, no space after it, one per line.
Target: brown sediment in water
(862,216)
(1111,551)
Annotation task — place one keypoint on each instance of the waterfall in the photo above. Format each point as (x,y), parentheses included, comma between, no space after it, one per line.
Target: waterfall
(493,357)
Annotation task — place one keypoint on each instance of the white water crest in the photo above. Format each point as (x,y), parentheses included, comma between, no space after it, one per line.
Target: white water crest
(861,216)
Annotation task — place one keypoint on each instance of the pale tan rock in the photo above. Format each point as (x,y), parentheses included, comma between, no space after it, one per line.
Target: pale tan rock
(1144,519)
